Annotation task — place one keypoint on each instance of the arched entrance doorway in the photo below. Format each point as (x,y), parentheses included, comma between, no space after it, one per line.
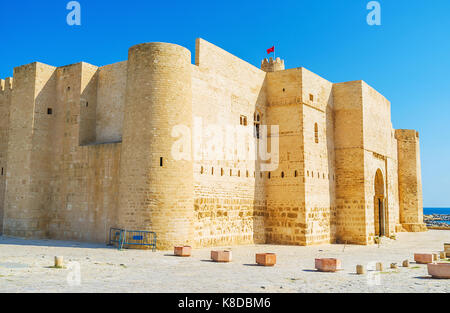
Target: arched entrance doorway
(379,212)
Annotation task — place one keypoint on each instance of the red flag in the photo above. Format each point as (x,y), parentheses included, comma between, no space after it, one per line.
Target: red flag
(269,51)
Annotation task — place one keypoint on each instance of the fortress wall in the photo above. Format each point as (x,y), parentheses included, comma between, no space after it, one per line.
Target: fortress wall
(41,154)
(380,153)
(85,194)
(372,164)
(65,183)
(88,104)
(392,192)
(156,190)
(378,132)
(111,89)
(85,178)
(349,153)
(410,180)
(286,195)
(211,58)
(5,101)
(319,158)
(29,149)
(17,220)
(228,206)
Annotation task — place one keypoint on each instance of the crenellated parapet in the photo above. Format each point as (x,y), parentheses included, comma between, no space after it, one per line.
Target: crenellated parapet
(6,84)
(406,134)
(271,65)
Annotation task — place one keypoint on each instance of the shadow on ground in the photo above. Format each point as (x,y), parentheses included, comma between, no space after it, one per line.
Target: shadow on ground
(51,243)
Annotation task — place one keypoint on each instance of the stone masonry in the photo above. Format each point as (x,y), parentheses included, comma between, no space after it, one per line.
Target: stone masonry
(86,148)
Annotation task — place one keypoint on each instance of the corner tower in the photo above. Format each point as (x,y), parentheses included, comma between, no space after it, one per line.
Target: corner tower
(156,191)
(410,180)
(271,65)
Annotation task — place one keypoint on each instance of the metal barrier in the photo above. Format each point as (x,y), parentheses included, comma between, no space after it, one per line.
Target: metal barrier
(123,239)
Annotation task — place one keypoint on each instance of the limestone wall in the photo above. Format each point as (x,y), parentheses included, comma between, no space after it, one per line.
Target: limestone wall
(319,155)
(88,104)
(57,188)
(410,180)
(28,162)
(365,144)
(83,149)
(85,178)
(285,192)
(229,203)
(350,198)
(111,88)
(5,101)
(380,154)
(156,190)
(301,191)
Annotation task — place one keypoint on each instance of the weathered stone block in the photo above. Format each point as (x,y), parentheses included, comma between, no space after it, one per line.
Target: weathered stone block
(221,256)
(328,264)
(266,259)
(423,258)
(439,270)
(184,251)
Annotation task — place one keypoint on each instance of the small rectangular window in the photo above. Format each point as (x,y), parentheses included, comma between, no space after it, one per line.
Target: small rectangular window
(316,133)
(243,120)
(311,97)
(161,163)
(49,111)
(2,171)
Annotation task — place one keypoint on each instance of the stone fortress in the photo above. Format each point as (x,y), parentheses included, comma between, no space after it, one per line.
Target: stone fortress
(86,148)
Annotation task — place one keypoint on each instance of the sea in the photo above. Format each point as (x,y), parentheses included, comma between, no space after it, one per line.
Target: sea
(429,211)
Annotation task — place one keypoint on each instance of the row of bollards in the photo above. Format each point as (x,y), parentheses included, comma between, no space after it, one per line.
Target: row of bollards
(360,269)
(225,256)
(419,258)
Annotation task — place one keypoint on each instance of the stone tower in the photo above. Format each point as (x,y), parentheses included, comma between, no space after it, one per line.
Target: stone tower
(410,180)
(155,191)
(271,65)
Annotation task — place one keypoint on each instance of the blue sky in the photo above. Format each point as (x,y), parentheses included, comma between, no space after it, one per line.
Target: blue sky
(407,58)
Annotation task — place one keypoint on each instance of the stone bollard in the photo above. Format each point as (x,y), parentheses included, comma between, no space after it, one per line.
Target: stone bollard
(405,263)
(379,266)
(183,251)
(266,259)
(360,270)
(394,266)
(221,256)
(423,258)
(442,255)
(327,264)
(447,248)
(59,261)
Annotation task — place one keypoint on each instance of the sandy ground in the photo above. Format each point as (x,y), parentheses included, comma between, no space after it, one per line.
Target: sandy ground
(25,266)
